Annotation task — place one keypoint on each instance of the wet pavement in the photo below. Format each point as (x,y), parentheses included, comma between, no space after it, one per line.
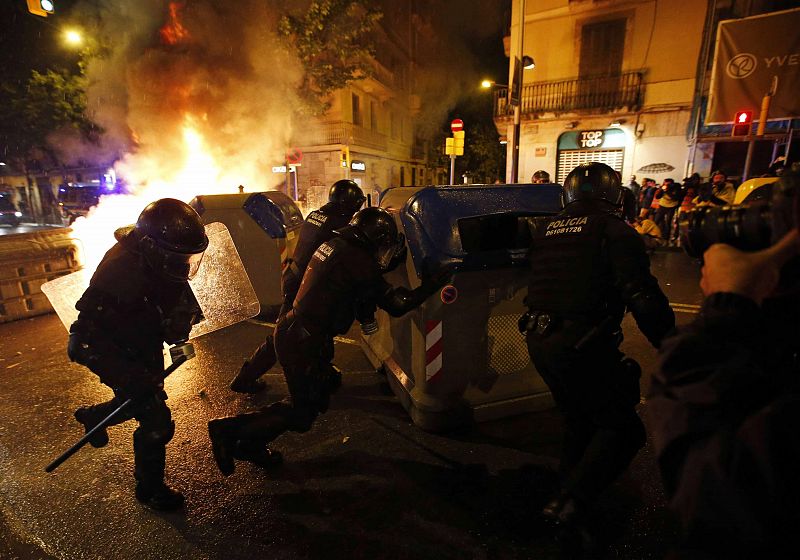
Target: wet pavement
(363,483)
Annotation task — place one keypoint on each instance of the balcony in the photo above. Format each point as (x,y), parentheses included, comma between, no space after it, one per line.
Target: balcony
(346,133)
(595,93)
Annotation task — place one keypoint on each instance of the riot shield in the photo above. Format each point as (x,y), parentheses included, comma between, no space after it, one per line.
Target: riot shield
(221,287)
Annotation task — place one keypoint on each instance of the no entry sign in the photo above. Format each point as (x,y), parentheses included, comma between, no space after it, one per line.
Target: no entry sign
(457,125)
(294,156)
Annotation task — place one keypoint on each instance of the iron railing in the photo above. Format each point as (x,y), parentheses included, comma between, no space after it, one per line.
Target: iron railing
(564,96)
(345,133)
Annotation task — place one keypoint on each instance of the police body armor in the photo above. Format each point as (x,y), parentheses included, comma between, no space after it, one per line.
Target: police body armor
(339,276)
(571,276)
(317,228)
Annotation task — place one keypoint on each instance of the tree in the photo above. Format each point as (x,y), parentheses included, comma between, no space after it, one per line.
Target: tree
(30,112)
(334,43)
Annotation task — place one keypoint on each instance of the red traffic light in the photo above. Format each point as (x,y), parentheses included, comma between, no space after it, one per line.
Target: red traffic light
(741,123)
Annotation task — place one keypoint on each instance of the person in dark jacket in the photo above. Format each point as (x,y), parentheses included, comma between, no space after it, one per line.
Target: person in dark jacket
(647,193)
(344,199)
(343,283)
(725,403)
(137,299)
(588,267)
(669,199)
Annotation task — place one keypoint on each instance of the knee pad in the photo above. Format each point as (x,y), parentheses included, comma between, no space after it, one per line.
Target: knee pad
(154,436)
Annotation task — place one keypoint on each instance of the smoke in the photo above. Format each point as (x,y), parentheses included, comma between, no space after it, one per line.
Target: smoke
(218,66)
(215,65)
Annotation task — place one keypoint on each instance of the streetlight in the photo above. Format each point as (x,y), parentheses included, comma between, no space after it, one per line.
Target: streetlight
(73,37)
(486,84)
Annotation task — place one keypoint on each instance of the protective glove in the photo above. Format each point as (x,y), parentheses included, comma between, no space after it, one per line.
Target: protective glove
(77,349)
(434,281)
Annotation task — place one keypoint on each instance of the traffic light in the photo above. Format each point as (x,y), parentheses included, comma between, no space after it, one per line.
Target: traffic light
(41,7)
(742,122)
(346,157)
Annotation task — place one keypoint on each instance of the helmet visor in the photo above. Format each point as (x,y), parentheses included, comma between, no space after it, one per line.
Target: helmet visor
(386,254)
(182,266)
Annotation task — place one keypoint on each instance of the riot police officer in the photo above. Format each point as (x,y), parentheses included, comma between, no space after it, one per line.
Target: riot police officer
(344,199)
(587,267)
(343,282)
(137,299)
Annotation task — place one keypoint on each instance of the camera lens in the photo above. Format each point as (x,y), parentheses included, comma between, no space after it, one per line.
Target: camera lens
(746,227)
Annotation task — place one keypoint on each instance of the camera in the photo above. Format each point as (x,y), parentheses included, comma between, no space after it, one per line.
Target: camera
(745,226)
(751,226)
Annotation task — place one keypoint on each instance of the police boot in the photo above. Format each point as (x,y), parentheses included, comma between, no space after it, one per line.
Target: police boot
(223,435)
(149,458)
(567,519)
(264,358)
(159,496)
(85,416)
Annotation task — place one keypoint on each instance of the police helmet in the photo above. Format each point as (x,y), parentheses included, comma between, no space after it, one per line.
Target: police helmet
(347,195)
(593,181)
(376,226)
(172,238)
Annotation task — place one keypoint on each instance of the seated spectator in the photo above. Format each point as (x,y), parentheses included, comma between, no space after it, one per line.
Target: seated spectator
(648,231)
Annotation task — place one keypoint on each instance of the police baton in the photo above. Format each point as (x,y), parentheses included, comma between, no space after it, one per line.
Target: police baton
(105,421)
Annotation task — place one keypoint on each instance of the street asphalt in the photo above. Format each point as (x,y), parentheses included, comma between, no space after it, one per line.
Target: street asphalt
(363,483)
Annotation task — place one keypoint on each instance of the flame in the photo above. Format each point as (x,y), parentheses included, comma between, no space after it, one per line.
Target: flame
(173,31)
(198,175)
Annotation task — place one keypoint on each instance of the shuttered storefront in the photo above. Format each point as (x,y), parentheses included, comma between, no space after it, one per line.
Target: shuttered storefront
(569,159)
(574,148)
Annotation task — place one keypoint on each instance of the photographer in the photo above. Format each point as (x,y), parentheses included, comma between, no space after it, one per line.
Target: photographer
(725,405)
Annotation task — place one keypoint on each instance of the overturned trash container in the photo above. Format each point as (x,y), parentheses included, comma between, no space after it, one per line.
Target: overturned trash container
(459,358)
(264,228)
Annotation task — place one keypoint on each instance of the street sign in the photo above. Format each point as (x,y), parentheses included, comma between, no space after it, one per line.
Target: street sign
(457,125)
(294,155)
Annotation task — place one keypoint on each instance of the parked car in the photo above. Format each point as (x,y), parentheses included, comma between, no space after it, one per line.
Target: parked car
(9,214)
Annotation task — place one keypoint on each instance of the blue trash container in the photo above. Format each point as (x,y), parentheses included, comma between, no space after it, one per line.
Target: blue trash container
(459,358)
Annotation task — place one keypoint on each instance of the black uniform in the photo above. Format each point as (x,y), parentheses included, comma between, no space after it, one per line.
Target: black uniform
(343,283)
(726,415)
(126,314)
(587,267)
(317,228)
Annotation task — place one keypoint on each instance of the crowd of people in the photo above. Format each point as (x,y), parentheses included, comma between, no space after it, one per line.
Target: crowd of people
(659,207)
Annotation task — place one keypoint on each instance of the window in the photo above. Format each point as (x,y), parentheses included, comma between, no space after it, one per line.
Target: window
(602,47)
(357,119)
(373,116)
(393,121)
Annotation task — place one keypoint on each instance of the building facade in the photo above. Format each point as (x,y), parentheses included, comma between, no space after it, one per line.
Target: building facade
(614,82)
(369,133)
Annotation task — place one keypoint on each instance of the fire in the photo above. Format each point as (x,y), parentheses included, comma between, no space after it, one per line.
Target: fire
(198,175)
(173,31)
